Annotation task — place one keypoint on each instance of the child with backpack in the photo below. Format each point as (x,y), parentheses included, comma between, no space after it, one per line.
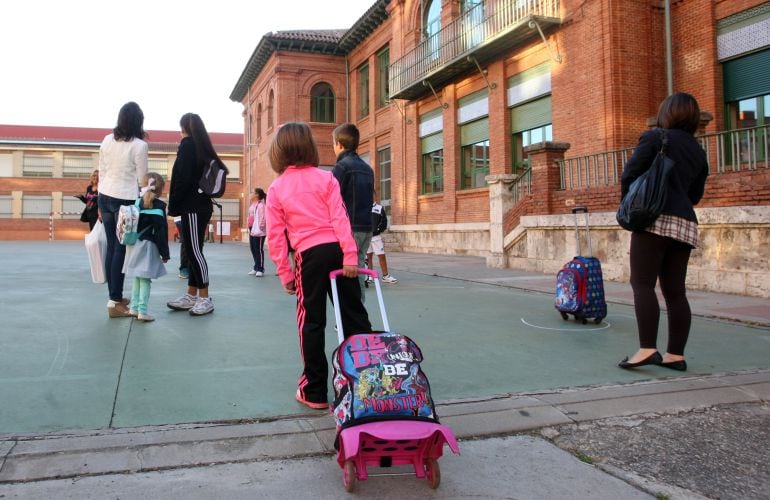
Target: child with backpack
(305,210)
(145,258)
(377,246)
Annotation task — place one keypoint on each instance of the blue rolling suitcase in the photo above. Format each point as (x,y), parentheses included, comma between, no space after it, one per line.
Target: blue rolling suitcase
(579,284)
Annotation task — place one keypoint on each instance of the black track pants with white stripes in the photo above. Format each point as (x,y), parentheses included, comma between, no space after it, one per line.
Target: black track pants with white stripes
(194,233)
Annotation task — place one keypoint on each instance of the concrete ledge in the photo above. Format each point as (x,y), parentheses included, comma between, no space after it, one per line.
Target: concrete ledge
(49,456)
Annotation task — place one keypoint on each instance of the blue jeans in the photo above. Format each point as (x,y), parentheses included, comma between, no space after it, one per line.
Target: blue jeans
(116,253)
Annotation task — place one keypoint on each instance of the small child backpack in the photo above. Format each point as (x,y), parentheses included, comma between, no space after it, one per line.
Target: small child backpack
(128,222)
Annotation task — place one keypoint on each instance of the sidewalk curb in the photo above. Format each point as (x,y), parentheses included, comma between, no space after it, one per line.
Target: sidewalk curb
(28,458)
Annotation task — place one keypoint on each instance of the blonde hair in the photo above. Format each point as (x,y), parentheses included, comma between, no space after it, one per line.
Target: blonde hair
(151,194)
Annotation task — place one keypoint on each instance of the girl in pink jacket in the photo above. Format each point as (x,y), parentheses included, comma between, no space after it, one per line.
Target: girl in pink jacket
(305,210)
(257,222)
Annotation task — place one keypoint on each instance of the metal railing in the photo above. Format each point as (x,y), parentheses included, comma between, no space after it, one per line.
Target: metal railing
(727,151)
(599,169)
(737,150)
(460,37)
(522,186)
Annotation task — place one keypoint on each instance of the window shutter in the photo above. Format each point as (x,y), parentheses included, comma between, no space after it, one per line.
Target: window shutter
(432,143)
(474,132)
(747,76)
(531,115)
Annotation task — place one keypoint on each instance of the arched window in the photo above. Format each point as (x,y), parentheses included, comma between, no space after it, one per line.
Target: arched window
(259,120)
(431,18)
(322,103)
(270,109)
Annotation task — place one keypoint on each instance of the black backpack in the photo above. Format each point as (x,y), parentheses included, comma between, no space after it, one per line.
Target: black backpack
(214,179)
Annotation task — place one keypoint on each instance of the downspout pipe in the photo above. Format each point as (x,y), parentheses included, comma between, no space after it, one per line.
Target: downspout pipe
(669,63)
(347,89)
(249,141)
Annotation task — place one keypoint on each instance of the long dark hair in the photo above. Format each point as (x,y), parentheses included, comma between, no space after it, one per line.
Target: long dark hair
(130,123)
(193,126)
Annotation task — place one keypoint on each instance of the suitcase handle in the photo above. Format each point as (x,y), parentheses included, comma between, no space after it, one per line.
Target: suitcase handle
(576,210)
(336,299)
(370,272)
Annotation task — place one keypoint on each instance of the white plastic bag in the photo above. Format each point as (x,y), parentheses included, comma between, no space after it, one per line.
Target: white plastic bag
(96,247)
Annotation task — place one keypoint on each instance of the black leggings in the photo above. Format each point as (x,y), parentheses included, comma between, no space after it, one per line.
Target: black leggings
(193,234)
(656,257)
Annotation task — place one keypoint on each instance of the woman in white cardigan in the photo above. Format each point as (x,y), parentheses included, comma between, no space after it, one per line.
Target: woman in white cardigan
(122,165)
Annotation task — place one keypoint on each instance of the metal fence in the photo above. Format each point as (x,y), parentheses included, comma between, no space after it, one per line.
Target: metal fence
(522,186)
(727,151)
(599,169)
(460,37)
(737,150)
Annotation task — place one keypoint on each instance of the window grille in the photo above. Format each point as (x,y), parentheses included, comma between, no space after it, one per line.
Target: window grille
(383,160)
(77,166)
(322,103)
(37,166)
(363,91)
(6,207)
(36,207)
(383,60)
(159,166)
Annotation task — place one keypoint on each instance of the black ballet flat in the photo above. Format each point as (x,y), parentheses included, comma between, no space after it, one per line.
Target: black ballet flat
(679,366)
(653,359)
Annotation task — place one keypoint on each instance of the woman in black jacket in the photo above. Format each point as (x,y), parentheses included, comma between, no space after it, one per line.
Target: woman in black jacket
(91,212)
(195,208)
(662,250)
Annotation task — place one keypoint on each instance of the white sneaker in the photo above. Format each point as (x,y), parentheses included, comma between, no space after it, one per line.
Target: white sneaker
(145,317)
(389,279)
(252,272)
(202,306)
(183,303)
(259,274)
(369,279)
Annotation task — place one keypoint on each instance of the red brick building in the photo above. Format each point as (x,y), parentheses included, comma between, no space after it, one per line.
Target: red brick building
(486,120)
(43,168)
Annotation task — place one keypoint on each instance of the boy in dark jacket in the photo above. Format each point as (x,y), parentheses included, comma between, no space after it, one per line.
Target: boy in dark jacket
(356,180)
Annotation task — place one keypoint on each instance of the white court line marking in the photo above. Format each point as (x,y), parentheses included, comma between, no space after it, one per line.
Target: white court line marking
(57,364)
(604,326)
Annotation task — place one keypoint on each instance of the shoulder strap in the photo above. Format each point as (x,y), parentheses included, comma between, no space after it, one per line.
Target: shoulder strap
(148,211)
(151,211)
(663,140)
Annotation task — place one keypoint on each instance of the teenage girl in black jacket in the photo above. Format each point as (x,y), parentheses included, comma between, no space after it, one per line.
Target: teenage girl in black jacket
(662,251)
(195,208)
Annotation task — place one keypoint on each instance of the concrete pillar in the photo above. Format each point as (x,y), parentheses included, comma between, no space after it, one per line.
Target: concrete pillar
(56,204)
(58,165)
(546,178)
(499,122)
(500,201)
(705,119)
(17,204)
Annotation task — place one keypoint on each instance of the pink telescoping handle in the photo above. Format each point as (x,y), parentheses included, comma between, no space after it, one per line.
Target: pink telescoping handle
(336,299)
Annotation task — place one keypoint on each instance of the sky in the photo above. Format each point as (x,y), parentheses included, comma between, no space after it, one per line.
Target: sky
(74,63)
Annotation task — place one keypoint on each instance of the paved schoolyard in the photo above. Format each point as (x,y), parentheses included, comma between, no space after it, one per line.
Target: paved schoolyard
(64,365)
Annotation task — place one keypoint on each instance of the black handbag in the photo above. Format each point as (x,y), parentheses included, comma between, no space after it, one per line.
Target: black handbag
(646,197)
